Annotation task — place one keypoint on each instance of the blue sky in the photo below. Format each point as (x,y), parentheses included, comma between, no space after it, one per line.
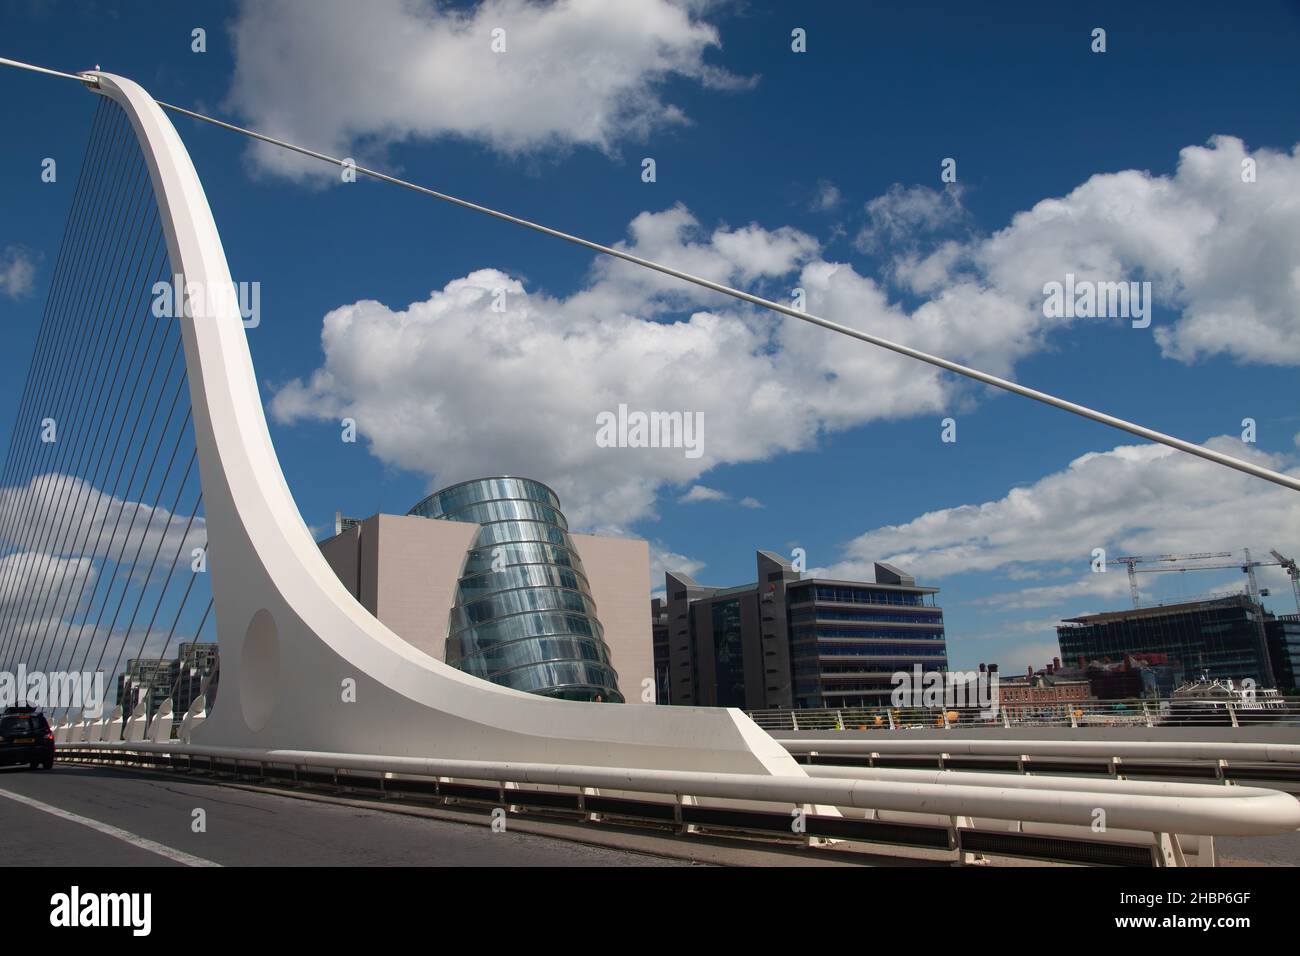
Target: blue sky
(774,170)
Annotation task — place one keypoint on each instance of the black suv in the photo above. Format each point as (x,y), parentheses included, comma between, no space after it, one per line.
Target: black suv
(25,737)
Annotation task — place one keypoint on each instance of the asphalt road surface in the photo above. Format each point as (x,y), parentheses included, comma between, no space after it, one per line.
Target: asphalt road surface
(97,816)
(116,818)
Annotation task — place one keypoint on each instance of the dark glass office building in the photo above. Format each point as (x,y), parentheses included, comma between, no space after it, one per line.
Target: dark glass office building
(524,616)
(1224,639)
(1284,647)
(787,641)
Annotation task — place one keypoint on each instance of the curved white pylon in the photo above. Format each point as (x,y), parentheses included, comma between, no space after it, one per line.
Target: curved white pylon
(292,636)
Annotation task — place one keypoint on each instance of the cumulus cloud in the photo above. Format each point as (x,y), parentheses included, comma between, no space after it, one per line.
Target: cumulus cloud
(26,577)
(62,513)
(674,237)
(73,538)
(1104,587)
(453,389)
(341,77)
(17,272)
(663,560)
(1143,499)
(1221,254)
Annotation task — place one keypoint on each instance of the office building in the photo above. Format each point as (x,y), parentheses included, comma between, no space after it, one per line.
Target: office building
(1283,634)
(1223,639)
(786,641)
(659,634)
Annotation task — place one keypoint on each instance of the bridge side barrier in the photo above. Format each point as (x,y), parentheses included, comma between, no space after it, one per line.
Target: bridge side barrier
(1096,749)
(1262,709)
(1208,810)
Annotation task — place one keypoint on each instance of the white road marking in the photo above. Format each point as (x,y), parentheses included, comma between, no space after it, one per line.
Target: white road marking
(126,836)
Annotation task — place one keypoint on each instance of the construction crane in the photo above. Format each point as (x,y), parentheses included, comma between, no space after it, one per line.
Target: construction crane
(1247,567)
(1132,562)
(1293,572)
(1253,589)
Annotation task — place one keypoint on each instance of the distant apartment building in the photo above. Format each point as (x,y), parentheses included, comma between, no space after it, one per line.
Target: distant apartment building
(196,663)
(787,641)
(152,681)
(147,682)
(1227,638)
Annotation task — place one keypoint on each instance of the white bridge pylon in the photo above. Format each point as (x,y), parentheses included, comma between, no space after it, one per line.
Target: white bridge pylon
(292,637)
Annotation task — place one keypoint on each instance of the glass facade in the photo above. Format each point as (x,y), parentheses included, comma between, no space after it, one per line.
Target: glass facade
(1284,645)
(524,616)
(728,654)
(1222,639)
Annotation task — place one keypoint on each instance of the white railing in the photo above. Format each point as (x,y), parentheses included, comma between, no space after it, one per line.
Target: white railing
(1002,746)
(1156,812)
(1161,712)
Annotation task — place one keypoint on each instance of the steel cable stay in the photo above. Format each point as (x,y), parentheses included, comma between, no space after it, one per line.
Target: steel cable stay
(91,535)
(55,543)
(49,397)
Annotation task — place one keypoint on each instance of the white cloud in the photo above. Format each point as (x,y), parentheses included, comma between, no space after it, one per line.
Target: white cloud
(341,77)
(1105,587)
(1144,499)
(674,237)
(828,197)
(1221,255)
(1037,653)
(449,388)
(700,493)
(67,514)
(75,537)
(663,560)
(905,215)
(28,579)
(17,272)
(452,389)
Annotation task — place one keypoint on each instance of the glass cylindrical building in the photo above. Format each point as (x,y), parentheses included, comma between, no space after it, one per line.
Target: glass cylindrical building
(524,616)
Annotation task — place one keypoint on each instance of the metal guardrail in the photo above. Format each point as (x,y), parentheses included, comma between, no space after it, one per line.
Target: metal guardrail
(1161,712)
(1257,763)
(881,806)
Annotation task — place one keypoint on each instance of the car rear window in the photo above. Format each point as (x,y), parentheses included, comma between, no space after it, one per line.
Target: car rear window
(19,726)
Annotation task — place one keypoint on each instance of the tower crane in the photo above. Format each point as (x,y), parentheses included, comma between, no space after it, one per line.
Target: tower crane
(1253,589)
(1293,572)
(1133,561)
